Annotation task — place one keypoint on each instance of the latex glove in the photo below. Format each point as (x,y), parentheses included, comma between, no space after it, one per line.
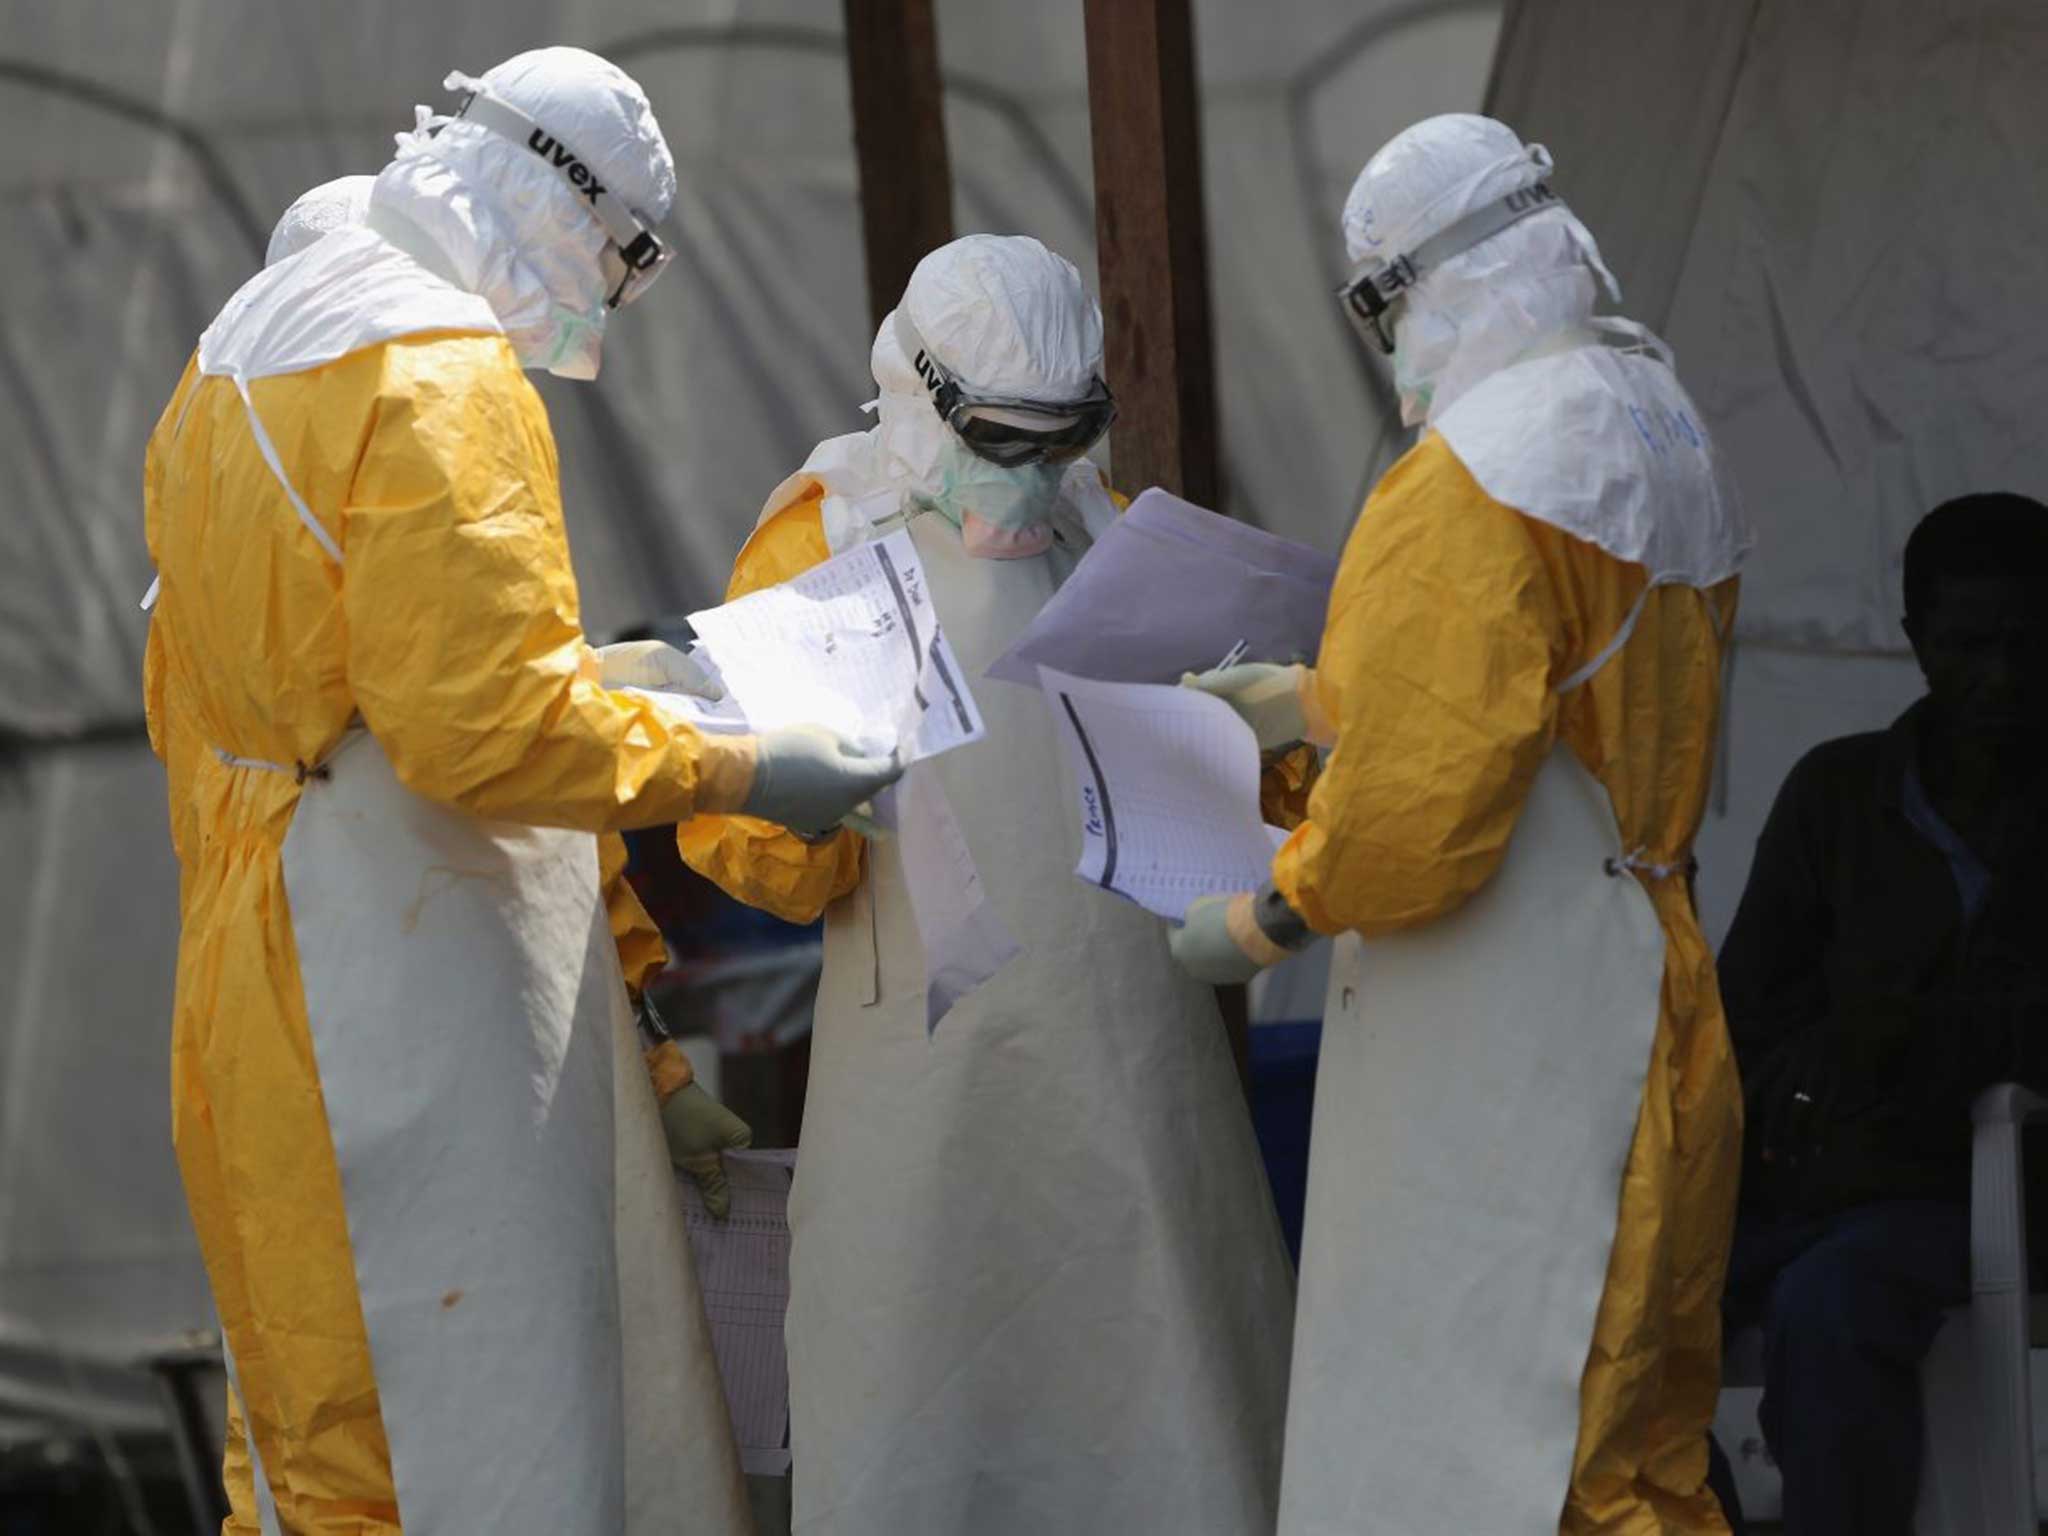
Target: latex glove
(653,664)
(806,778)
(700,1132)
(1265,694)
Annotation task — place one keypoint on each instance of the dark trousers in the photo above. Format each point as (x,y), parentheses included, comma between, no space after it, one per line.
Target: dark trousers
(1849,1304)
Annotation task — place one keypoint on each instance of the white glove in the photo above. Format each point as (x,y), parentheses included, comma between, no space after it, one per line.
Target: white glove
(806,778)
(1266,695)
(1225,940)
(1205,948)
(653,664)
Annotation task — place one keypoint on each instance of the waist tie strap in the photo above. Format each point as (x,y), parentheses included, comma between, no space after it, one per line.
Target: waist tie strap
(1636,863)
(300,770)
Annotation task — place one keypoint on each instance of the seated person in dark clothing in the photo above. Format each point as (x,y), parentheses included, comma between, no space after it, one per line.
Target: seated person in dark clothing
(1889,961)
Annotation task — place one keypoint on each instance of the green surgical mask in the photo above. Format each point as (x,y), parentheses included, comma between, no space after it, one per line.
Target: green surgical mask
(579,340)
(1002,513)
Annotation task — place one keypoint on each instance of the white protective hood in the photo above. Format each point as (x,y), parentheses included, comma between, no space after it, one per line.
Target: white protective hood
(1497,348)
(1487,306)
(503,224)
(998,312)
(347,290)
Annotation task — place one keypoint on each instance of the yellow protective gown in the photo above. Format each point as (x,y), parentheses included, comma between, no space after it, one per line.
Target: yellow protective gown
(757,862)
(1453,622)
(451,632)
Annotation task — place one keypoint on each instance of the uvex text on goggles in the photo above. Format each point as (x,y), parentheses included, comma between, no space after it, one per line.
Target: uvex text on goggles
(633,257)
(1377,283)
(1027,431)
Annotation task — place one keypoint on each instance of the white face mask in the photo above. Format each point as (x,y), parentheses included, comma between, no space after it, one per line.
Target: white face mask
(578,342)
(1415,393)
(1002,513)
(1424,344)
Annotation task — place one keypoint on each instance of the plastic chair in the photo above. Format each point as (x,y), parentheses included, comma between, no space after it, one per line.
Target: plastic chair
(1977,1475)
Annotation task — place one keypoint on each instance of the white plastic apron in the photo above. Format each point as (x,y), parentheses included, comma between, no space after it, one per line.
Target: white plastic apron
(1037,1282)
(512,1212)
(540,1348)
(1476,1100)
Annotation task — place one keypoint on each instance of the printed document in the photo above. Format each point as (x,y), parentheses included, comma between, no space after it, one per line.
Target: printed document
(1168,784)
(742,1268)
(853,644)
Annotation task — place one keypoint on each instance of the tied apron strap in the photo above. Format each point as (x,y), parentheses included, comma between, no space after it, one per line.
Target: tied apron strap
(1637,860)
(325,539)
(1612,648)
(269,452)
(300,770)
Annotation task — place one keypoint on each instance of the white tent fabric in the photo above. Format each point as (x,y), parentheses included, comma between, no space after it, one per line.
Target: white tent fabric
(1830,209)
(150,149)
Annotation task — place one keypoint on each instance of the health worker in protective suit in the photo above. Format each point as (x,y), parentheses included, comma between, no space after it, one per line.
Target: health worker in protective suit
(425,1169)
(1527,1125)
(1037,1283)
(699,1129)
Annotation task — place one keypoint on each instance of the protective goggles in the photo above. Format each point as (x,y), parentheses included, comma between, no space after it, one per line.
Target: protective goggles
(1378,283)
(1007,429)
(633,257)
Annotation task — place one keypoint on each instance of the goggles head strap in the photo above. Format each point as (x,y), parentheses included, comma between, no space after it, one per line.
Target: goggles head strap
(639,248)
(1377,283)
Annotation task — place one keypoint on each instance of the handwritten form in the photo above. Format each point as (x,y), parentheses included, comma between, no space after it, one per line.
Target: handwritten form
(1168,784)
(853,644)
(742,1267)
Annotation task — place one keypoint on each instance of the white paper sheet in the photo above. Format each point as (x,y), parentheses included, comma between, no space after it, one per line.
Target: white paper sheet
(965,942)
(742,1267)
(1168,784)
(1170,588)
(853,644)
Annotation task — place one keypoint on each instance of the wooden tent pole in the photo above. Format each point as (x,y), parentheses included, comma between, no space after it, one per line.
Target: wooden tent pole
(899,140)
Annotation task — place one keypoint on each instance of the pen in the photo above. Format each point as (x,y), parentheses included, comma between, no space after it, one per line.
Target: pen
(1232,656)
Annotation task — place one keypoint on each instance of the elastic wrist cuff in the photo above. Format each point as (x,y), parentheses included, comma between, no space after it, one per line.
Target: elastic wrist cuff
(1280,923)
(1317,727)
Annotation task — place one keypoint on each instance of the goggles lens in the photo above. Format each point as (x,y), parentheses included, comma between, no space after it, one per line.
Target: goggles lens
(1010,445)
(1005,429)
